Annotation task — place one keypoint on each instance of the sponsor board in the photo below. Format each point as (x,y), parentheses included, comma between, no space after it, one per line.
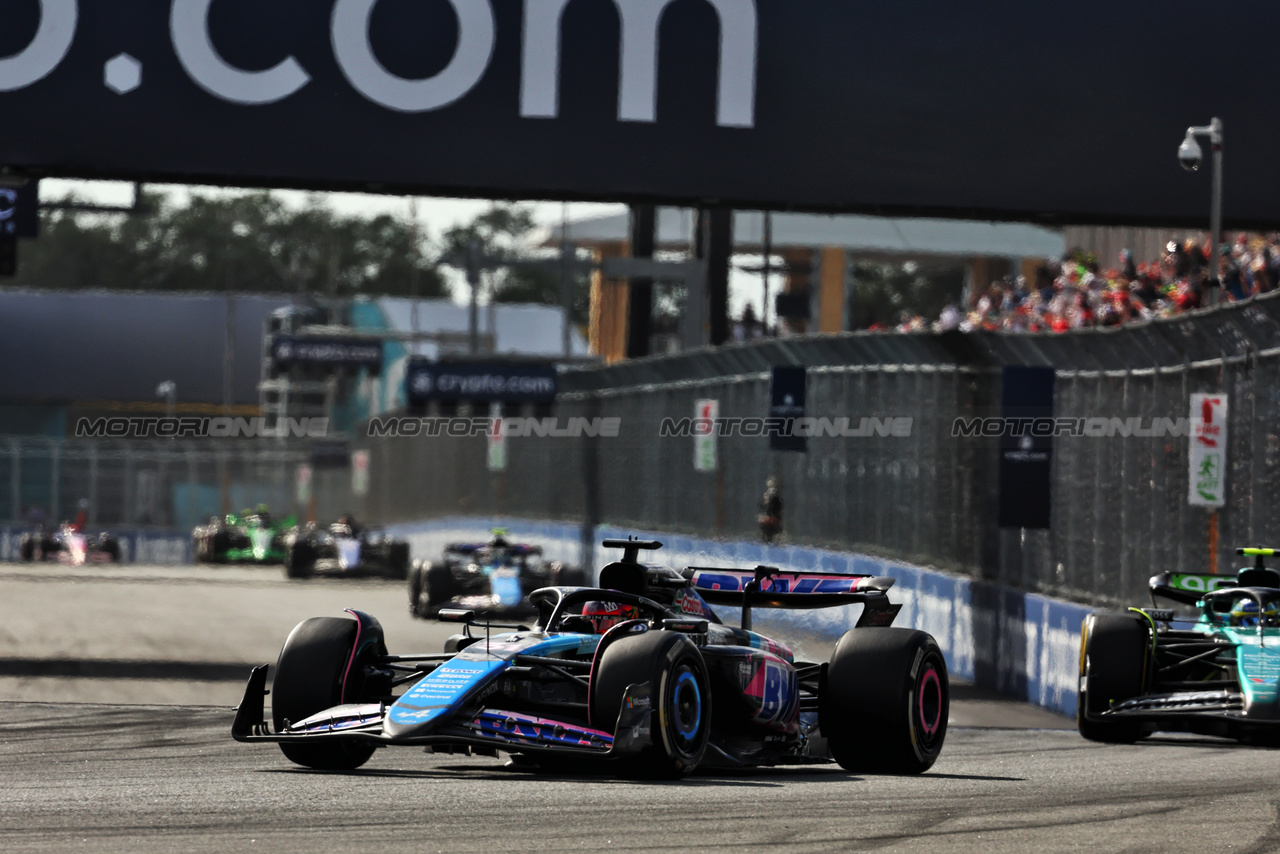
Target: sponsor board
(768,103)
(426,381)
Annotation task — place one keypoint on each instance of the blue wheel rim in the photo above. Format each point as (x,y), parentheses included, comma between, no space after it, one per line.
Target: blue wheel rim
(686,702)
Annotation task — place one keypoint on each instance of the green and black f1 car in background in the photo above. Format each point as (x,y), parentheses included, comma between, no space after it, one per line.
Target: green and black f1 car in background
(1214,672)
(252,537)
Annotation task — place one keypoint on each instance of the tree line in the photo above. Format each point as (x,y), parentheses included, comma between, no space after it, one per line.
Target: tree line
(256,243)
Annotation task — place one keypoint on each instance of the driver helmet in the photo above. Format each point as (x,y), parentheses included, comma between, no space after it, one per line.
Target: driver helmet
(1247,613)
(606,615)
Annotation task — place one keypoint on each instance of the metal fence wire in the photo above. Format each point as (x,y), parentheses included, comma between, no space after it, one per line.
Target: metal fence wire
(164,484)
(1120,511)
(1119,505)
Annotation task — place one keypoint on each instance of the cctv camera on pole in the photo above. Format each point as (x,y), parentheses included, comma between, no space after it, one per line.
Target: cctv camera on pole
(1190,156)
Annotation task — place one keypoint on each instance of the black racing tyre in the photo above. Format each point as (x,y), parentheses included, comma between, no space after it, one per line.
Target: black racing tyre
(398,559)
(27,548)
(439,585)
(679,693)
(1113,667)
(300,560)
(308,679)
(111,548)
(884,701)
(415,589)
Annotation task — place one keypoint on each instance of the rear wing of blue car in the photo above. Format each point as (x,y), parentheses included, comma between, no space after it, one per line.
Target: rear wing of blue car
(770,587)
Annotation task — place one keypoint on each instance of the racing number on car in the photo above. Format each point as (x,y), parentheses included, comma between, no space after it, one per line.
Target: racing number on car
(775,685)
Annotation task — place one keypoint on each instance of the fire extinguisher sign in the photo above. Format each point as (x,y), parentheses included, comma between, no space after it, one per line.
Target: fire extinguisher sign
(1208,471)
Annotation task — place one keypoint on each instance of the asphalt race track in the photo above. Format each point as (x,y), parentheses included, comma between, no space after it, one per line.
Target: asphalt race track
(129,762)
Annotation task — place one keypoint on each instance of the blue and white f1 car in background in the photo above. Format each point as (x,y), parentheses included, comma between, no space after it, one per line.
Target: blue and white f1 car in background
(489,578)
(639,671)
(344,548)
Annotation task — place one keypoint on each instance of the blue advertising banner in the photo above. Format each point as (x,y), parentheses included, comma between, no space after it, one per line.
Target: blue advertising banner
(20,210)
(1026,446)
(786,404)
(426,380)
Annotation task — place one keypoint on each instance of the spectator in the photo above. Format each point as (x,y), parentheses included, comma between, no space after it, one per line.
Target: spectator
(950,317)
(747,326)
(1076,294)
(1127,268)
(770,511)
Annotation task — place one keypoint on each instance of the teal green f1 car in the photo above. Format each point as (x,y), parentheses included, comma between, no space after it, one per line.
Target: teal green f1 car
(1214,673)
(252,537)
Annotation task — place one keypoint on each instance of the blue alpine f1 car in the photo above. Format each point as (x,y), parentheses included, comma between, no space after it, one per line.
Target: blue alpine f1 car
(1216,672)
(493,578)
(639,671)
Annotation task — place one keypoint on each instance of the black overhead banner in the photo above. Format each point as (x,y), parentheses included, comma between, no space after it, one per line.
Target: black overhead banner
(1026,447)
(1037,110)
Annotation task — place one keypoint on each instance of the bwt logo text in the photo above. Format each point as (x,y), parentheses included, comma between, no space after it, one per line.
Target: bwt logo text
(356,57)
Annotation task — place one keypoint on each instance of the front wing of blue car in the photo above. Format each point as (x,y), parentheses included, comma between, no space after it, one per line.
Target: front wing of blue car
(467,725)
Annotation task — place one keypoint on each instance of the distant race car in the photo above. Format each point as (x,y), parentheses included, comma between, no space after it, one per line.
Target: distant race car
(493,577)
(344,548)
(1216,672)
(68,544)
(639,671)
(252,537)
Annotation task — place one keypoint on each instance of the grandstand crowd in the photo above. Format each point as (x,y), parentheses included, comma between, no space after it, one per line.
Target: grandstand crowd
(1078,293)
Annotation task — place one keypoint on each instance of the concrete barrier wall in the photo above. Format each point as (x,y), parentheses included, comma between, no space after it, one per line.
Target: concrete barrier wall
(1024,645)
(137,545)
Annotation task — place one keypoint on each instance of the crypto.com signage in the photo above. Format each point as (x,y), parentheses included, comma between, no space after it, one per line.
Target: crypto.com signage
(930,107)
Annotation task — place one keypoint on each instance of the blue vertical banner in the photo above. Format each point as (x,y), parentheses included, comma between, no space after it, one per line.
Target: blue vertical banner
(19,210)
(1026,447)
(786,404)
